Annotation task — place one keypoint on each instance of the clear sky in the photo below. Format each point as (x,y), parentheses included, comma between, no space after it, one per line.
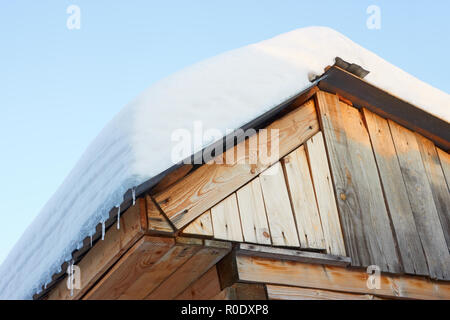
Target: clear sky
(59,87)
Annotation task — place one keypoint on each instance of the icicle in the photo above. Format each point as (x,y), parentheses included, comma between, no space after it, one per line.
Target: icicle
(118,218)
(91,239)
(45,286)
(133,192)
(71,277)
(103,230)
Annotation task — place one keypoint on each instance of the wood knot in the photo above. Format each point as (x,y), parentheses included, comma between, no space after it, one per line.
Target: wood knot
(266,234)
(164,201)
(343,196)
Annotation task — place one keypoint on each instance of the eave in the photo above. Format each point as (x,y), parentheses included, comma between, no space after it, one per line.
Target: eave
(361,93)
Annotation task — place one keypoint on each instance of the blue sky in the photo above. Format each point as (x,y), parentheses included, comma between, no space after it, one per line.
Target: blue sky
(59,87)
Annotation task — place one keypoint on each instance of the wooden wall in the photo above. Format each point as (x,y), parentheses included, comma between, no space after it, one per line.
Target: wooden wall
(362,186)
(392,193)
(289,203)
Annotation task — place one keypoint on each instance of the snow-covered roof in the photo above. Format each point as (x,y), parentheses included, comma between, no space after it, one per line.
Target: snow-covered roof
(224,92)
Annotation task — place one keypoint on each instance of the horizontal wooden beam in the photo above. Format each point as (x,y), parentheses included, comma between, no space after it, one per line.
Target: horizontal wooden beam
(289,273)
(291,255)
(363,94)
(297,293)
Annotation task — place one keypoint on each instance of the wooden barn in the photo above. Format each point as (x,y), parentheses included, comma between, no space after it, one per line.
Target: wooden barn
(362,179)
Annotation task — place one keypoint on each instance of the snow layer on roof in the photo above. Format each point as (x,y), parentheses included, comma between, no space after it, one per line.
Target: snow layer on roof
(223,92)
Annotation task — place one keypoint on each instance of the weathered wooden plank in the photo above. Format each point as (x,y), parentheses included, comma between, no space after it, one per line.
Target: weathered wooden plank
(396,195)
(444,157)
(242,291)
(104,253)
(278,208)
(422,202)
(297,293)
(187,199)
(140,258)
(270,271)
(326,200)
(201,226)
(292,255)
(172,177)
(361,203)
(188,273)
(303,199)
(253,213)
(156,220)
(225,219)
(151,278)
(438,184)
(206,287)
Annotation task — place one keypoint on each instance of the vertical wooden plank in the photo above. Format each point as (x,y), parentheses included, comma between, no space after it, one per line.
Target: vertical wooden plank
(225,219)
(444,157)
(422,202)
(253,213)
(303,199)
(437,182)
(396,196)
(281,219)
(326,201)
(361,203)
(201,226)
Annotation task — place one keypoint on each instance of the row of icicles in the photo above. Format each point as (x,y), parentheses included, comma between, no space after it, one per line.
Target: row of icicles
(133,192)
(70,267)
